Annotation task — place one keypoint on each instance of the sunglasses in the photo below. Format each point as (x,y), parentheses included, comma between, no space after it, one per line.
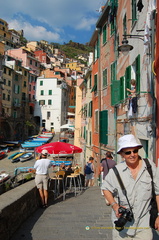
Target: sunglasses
(129,152)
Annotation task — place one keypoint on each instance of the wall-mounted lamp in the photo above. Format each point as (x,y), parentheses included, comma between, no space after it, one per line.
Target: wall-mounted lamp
(125,48)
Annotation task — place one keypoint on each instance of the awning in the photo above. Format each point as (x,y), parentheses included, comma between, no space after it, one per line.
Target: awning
(70,114)
(68,126)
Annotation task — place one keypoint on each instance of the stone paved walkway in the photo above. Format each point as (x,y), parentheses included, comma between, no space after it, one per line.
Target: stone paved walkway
(70,219)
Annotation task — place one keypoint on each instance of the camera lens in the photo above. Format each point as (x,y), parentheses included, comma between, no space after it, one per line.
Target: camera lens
(126,216)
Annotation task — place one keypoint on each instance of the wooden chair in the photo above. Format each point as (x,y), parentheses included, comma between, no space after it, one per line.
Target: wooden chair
(73,177)
(58,178)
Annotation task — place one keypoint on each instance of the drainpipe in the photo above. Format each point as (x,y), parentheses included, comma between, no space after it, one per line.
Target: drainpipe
(115,131)
(99,99)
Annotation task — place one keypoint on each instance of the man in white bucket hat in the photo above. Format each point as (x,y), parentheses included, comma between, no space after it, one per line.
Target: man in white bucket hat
(133,220)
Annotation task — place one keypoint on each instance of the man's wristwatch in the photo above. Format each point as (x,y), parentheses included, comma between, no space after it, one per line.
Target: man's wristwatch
(113,203)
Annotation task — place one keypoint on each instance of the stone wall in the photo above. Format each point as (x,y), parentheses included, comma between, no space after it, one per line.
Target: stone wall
(16,206)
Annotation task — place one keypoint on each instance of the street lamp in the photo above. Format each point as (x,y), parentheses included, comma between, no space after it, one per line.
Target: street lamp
(125,48)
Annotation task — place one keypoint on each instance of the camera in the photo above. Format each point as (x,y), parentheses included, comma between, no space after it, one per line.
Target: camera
(126,215)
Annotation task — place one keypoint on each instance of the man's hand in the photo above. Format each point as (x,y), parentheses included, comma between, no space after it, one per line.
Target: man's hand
(157,224)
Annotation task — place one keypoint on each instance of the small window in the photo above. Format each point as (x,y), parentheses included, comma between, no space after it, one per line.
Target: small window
(104,34)
(16,77)
(42,92)
(96,121)
(48,115)
(8,98)
(104,78)
(4,96)
(50,92)
(49,102)
(41,83)
(42,102)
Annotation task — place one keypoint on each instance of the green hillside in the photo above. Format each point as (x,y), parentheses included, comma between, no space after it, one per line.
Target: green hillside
(73,49)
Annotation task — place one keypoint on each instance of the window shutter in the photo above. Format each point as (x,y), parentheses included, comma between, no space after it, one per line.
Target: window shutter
(134,11)
(127,79)
(115,92)
(113,71)
(122,88)
(104,127)
(137,63)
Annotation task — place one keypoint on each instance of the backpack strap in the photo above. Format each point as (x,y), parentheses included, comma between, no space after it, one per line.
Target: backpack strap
(148,165)
(107,164)
(149,169)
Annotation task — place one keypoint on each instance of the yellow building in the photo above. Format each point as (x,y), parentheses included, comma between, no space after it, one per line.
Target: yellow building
(4,33)
(2,48)
(73,66)
(7,91)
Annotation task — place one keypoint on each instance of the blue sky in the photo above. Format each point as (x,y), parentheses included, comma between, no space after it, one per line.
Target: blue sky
(52,20)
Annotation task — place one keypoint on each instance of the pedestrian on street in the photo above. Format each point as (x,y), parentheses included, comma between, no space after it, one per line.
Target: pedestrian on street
(106,164)
(89,172)
(41,178)
(132,222)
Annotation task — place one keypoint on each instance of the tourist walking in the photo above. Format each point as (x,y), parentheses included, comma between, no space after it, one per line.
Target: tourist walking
(89,172)
(41,167)
(130,215)
(107,163)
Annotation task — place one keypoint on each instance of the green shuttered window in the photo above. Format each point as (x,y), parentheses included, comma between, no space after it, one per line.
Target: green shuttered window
(104,127)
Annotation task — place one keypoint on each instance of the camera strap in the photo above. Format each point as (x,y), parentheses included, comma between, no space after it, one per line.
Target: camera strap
(122,185)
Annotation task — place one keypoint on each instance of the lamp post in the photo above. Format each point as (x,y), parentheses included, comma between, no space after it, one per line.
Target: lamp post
(125,48)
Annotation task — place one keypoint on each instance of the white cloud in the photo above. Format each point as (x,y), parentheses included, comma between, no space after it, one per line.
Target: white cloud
(54,16)
(35,32)
(86,23)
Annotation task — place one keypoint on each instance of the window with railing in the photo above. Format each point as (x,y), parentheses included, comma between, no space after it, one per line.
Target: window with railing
(119,87)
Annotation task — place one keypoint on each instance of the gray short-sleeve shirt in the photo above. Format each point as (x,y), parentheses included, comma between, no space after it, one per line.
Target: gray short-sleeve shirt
(139,192)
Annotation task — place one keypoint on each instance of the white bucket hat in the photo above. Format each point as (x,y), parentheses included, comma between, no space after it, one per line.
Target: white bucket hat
(127,141)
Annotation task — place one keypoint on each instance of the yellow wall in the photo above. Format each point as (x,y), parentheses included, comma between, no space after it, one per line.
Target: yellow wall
(73,66)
